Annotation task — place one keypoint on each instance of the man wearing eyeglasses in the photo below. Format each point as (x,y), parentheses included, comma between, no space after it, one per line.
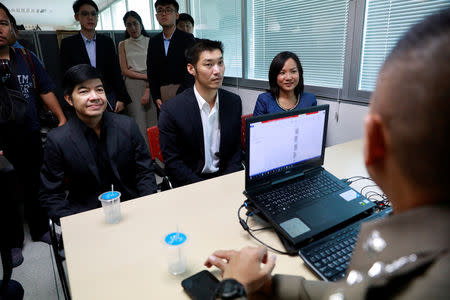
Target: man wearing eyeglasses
(166,61)
(89,47)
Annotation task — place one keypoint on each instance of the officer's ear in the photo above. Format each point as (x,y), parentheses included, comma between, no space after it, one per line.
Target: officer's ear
(375,140)
(68,99)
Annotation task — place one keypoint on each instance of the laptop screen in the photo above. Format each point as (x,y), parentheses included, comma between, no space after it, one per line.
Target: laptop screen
(278,143)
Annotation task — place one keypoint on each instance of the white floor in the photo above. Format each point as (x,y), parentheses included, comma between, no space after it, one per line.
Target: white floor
(38,274)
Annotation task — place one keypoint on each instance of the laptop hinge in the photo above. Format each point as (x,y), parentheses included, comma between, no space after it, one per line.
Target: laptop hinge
(297,175)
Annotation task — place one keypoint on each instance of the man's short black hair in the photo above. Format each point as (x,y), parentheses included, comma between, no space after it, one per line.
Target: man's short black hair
(78,74)
(193,53)
(167,2)
(79,3)
(185,17)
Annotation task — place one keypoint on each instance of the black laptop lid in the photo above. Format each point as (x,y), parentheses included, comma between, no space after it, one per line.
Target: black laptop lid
(284,145)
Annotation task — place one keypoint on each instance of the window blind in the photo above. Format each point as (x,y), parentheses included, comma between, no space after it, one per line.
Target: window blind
(221,20)
(118,10)
(384,23)
(315,30)
(142,7)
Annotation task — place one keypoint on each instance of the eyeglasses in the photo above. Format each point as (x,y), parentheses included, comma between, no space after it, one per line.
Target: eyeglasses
(87,13)
(167,10)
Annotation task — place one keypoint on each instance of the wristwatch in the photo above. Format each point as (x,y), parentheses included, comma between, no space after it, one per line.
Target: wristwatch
(229,289)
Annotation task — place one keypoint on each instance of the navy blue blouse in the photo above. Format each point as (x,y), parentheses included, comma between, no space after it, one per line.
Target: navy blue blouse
(266,104)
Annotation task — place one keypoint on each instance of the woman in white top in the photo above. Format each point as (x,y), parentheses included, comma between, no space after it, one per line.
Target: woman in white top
(133,56)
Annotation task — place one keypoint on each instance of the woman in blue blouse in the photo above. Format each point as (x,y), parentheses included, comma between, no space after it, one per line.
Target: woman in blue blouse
(286,87)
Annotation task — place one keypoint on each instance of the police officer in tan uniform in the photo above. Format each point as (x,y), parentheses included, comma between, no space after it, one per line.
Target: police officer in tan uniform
(405,256)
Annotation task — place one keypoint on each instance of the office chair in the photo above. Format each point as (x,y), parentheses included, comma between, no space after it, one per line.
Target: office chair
(58,253)
(157,158)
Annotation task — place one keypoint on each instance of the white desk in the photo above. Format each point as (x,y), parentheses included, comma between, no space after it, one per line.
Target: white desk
(127,260)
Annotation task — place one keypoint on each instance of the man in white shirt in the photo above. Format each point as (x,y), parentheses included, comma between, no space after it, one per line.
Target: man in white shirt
(200,129)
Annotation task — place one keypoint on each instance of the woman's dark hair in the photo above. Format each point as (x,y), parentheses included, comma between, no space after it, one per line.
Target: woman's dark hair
(275,67)
(135,15)
(78,74)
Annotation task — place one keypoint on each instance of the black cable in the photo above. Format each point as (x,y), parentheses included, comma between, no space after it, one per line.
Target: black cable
(247,228)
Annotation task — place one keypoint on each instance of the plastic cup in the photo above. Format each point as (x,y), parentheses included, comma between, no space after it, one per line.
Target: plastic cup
(111,206)
(176,256)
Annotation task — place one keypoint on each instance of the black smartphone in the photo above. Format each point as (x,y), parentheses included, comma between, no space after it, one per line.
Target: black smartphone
(200,286)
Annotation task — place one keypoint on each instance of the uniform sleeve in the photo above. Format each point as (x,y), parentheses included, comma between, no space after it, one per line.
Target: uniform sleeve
(295,287)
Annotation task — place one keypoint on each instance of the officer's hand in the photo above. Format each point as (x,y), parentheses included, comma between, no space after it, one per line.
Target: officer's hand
(245,266)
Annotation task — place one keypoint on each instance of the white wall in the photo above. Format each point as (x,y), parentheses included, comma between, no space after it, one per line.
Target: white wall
(349,124)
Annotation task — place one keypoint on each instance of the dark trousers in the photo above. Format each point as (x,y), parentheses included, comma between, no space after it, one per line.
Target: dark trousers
(24,150)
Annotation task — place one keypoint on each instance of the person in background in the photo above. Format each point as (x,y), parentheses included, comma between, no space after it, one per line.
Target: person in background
(185,23)
(132,57)
(98,50)
(21,142)
(166,61)
(200,129)
(286,87)
(94,150)
(406,255)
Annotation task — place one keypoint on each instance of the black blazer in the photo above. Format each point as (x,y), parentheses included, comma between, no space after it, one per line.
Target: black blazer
(170,69)
(73,52)
(181,136)
(70,165)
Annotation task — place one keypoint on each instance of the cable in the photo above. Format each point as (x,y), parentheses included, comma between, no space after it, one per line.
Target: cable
(379,198)
(247,228)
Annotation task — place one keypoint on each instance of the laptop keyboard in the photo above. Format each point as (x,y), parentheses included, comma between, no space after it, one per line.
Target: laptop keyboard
(301,193)
(330,256)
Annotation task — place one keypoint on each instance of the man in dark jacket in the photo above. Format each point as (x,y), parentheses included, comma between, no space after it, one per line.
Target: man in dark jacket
(91,152)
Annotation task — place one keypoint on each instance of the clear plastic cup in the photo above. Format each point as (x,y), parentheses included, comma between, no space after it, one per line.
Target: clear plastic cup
(176,252)
(111,206)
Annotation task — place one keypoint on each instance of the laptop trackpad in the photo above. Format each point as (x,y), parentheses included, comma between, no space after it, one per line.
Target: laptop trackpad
(318,214)
(294,227)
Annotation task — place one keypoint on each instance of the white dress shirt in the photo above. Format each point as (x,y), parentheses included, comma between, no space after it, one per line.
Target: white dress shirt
(90,49)
(211,132)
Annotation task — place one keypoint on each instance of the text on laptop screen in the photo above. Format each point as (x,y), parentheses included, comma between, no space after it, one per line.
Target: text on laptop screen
(279,143)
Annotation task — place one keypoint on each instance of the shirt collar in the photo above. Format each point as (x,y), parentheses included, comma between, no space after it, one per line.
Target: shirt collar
(85,129)
(86,40)
(202,102)
(170,37)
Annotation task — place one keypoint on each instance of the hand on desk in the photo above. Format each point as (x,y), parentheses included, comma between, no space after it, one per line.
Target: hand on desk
(245,267)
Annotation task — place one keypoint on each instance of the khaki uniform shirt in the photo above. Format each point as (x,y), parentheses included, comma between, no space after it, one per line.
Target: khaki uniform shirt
(404,256)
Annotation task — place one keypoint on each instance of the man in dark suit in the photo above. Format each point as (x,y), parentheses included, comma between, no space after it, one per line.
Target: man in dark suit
(166,61)
(406,255)
(94,150)
(98,50)
(200,137)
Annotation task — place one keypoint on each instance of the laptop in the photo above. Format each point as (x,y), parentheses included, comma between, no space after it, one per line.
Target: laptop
(285,181)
